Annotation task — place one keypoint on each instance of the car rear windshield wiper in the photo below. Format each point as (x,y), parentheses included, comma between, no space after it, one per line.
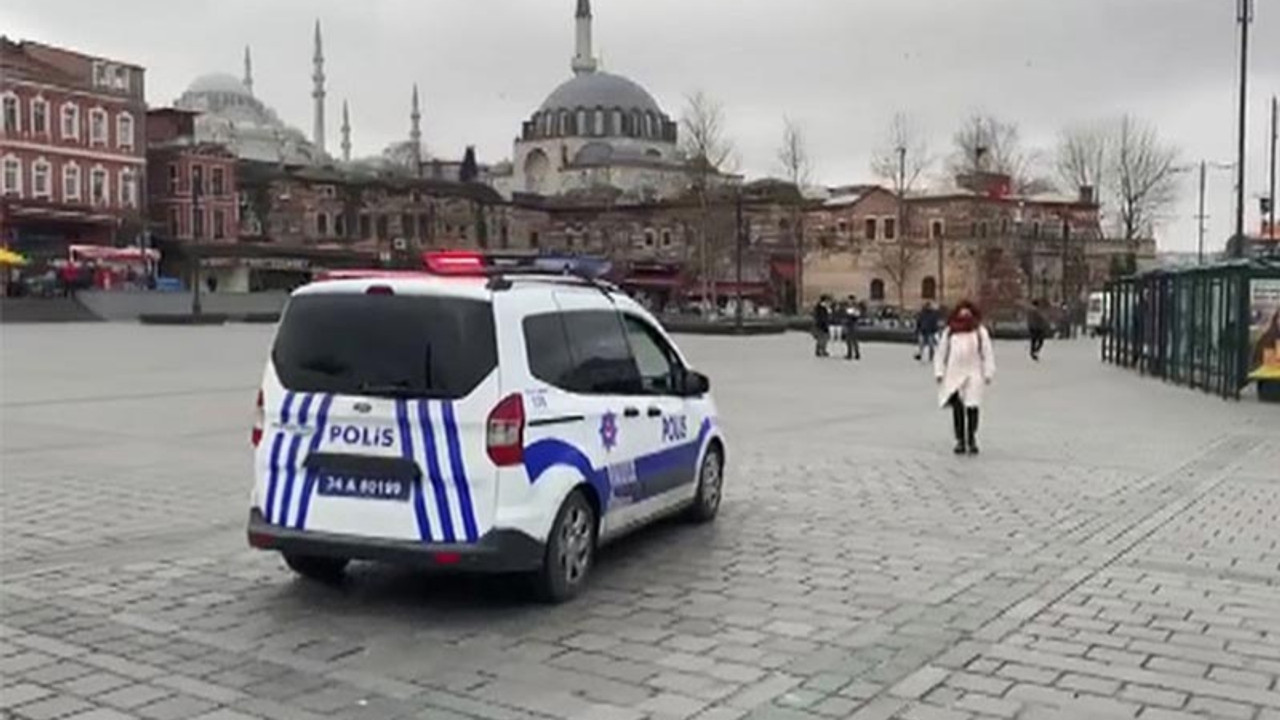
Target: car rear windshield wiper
(325,366)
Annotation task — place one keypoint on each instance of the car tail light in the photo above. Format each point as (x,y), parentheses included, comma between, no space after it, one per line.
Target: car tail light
(504,432)
(259,418)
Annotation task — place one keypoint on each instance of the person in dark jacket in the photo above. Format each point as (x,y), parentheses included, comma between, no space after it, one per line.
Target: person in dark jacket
(822,326)
(927,323)
(1038,328)
(850,317)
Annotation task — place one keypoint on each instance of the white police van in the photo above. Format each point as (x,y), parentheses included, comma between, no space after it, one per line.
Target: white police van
(490,414)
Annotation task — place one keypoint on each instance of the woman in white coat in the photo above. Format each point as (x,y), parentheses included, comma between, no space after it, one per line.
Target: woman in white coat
(965,363)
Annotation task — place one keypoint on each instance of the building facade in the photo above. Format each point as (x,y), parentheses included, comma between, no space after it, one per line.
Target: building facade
(72,149)
(192,189)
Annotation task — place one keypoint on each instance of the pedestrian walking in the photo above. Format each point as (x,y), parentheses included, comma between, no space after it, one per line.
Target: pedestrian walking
(1037,328)
(965,364)
(821,326)
(927,331)
(851,317)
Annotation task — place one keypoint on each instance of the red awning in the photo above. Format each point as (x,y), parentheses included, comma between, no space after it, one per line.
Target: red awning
(655,282)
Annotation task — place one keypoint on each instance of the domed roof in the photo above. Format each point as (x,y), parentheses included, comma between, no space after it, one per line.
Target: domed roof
(600,89)
(219,83)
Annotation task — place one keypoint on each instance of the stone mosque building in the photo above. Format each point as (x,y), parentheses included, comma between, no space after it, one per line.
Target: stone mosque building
(595,130)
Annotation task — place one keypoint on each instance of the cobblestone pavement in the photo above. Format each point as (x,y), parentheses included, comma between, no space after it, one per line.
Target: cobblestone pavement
(1112,553)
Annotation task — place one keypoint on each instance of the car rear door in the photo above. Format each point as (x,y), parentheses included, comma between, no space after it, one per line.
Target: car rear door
(376,407)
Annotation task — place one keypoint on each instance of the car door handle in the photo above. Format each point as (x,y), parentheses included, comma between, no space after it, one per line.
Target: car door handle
(631,412)
(654,411)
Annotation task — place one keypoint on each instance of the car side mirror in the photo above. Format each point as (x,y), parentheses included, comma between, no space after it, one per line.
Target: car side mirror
(694,384)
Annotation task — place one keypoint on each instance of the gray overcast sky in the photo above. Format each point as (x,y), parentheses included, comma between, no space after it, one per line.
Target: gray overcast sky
(839,67)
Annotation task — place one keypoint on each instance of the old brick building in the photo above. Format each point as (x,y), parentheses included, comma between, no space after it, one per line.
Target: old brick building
(72,157)
(191,188)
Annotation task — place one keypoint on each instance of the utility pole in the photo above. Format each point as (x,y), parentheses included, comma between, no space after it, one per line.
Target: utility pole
(1204,169)
(737,309)
(1271,221)
(902,227)
(1245,16)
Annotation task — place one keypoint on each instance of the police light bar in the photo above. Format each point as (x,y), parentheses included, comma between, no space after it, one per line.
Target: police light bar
(461,262)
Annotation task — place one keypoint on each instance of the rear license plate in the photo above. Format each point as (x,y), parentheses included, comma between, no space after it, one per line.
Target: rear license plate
(363,488)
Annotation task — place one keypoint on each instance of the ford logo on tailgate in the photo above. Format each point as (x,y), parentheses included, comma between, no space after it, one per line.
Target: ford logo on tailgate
(363,408)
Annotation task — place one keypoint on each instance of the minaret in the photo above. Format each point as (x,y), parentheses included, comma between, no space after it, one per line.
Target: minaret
(415,132)
(346,133)
(583,60)
(317,91)
(248,70)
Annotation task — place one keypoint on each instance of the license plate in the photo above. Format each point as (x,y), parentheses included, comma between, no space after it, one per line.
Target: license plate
(363,488)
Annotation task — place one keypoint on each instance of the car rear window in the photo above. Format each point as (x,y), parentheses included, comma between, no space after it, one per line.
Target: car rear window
(385,345)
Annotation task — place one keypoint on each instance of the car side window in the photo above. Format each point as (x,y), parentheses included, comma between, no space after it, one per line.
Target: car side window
(657,363)
(601,358)
(547,348)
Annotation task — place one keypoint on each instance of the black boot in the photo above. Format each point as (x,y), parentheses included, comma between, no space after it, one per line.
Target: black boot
(972,414)
(957,420)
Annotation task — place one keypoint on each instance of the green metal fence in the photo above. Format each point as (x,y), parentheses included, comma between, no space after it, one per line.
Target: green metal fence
(1190,326)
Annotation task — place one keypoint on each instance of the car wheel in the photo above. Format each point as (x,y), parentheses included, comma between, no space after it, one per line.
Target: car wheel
(710,487)
(571,551)
(326,570)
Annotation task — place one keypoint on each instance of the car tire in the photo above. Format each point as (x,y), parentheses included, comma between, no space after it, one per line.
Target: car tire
(325,570)
(706,504)
(570,553)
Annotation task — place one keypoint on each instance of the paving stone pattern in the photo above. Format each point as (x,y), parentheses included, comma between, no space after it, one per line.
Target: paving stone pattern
(1112,553)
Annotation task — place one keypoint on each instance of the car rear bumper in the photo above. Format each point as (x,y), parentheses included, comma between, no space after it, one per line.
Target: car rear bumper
(498,551)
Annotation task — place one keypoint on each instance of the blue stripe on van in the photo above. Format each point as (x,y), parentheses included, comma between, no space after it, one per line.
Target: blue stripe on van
(309,484)
(291,468)
(459,469)
(406,451)
(433,469)
(276,443)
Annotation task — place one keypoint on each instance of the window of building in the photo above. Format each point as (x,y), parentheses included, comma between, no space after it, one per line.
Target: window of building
(936,230)
(322,224)
(41,180)
(197,223)
(1004,226)
(219,224)
(218,181)
(11,179)
(174,180)
(340,224)
(408,227)
(70,182)
(1066,230)
(366,227)
(842,227)
(11,115)
(869,229)
(197,180)
(120,78)
(982,229)
(70,121)
(97,126)
(124,130)
(929,288)
(99,193)
(175,223)
(383,233)
(1035,229)
(666,238)
(877,289)
(40,116)
(598,127)
(534,242)
(890,228)
(128,188)
(649,239)
(424,226)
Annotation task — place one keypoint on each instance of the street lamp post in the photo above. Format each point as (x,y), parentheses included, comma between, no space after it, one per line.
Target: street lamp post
(1245,17)
(737,309)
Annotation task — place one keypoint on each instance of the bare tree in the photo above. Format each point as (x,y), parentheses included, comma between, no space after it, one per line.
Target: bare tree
(1082,157)
(1143,176)
(987,144)
(794,156)
(901,160)
(708,154)
(898,263)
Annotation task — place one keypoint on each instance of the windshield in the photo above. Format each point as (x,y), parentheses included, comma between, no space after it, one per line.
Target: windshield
(385,345)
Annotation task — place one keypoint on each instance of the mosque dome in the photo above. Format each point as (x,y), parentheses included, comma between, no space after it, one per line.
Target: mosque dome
(219,83)
(600,90)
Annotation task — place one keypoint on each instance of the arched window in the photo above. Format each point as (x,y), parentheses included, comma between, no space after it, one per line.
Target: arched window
(929,288)
(599,123)
(877,289)
(582,127)
(615,126)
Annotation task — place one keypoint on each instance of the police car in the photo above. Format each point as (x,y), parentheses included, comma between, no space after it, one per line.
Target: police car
(495,414)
